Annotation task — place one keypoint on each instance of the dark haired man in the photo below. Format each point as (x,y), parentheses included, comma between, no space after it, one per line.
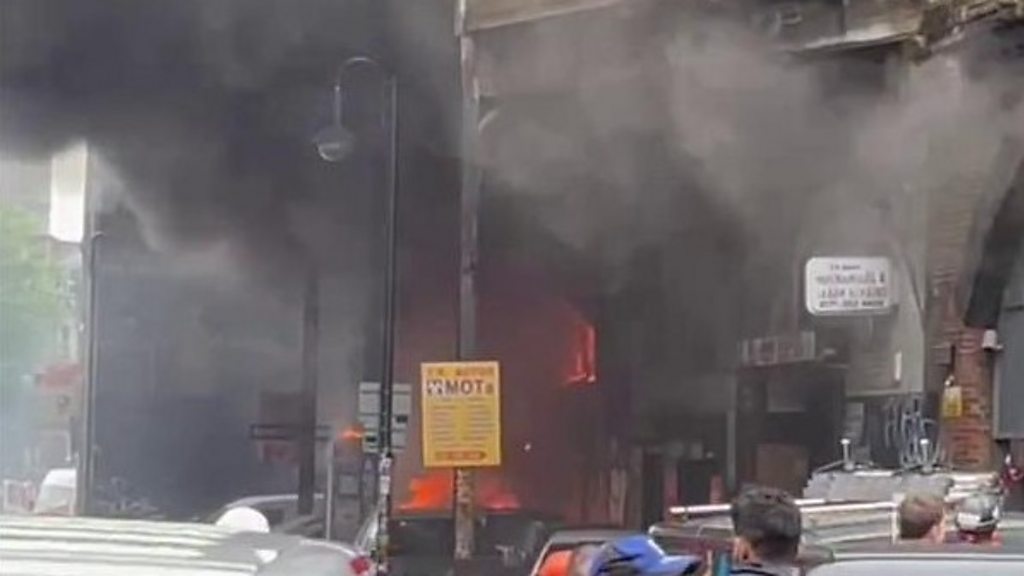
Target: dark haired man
(766,528)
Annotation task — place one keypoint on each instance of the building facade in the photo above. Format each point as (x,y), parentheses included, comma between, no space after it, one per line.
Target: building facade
(705,337)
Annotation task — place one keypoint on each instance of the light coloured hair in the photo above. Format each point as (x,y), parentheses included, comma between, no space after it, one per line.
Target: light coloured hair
(919,514)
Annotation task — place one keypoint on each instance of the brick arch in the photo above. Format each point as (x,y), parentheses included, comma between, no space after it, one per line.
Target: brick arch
(997,239)
(990,250)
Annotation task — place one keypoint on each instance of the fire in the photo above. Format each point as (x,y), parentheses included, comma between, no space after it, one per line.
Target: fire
(498,499)
(434,491)
(431,491)
(583,359)
(351,434)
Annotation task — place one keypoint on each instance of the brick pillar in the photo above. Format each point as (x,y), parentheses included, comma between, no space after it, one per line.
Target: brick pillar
(969,438)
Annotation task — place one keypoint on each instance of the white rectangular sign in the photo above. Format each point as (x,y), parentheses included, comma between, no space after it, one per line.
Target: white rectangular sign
(841,285)
(369,399)
(369,414)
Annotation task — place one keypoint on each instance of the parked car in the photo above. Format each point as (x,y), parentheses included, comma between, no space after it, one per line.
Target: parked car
(44,546)
(911,559)
(847,533)
(280,510)
(570,539)
(57,493)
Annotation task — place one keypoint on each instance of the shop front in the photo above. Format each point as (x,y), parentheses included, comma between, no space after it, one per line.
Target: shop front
(789,410)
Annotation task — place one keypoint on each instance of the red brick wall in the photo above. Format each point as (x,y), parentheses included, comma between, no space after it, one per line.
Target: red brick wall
(952,209)
(969,437)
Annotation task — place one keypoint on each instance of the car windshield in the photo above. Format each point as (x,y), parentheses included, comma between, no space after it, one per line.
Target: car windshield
(745,276)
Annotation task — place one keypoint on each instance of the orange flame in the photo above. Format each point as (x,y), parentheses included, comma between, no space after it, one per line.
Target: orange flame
(498,499)
(431,491)
(434,490)
(351,434)
(583,361)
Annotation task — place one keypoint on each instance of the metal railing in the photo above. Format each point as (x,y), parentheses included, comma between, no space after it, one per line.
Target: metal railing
(703,510)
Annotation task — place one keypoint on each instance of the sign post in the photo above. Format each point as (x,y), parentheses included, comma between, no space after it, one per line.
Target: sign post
(471,178)
(461,418)
(461,414)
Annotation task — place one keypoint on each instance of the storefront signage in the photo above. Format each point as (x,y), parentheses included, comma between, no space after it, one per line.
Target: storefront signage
(461,404)
(841,286)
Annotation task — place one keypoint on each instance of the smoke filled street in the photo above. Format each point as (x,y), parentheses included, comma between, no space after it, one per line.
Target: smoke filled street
(529,288)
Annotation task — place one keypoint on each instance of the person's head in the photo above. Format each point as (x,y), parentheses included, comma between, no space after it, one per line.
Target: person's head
(922,517)
(977,516)
(766,524)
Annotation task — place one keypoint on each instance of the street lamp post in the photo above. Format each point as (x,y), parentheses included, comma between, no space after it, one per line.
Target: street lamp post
(86,465)
(334,144)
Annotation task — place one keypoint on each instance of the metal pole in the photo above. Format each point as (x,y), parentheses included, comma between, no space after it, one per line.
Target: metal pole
(310,356)
(390,121)
(388,344)
(86,450)
(468,257)
(329,490)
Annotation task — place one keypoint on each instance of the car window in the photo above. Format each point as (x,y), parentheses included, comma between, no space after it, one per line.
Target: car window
(555,562)
(551,549)
(576,547)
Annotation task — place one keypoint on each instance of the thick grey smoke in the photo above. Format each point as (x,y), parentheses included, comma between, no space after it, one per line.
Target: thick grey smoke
(807,146)
(786,150)
(200,114)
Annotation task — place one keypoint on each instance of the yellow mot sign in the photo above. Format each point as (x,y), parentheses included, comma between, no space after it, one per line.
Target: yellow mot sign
(461,403)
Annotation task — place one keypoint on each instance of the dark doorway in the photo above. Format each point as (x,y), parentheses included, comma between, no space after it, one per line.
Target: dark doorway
(653,492)
(790,423)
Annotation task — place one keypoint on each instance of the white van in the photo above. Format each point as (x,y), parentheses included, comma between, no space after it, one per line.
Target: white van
(57,493)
